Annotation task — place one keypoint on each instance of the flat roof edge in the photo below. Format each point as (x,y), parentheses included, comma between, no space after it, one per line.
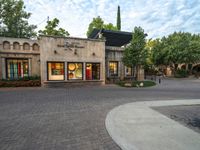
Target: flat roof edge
(71,37)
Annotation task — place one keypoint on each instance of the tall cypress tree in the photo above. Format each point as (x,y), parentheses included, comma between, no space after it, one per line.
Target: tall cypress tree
(118,19)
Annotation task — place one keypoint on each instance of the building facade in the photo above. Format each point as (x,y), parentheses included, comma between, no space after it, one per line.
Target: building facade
(19,58)
(72,60)
(67,60)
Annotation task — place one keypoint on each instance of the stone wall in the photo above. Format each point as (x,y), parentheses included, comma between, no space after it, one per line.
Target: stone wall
(115,54)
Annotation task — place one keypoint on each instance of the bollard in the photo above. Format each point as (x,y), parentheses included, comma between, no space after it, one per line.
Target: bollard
(159,80)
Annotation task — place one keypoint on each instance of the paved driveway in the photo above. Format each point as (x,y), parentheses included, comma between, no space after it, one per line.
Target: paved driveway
(73,118)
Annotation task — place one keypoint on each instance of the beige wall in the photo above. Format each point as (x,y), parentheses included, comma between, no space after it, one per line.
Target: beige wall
(80,50)
(20,52)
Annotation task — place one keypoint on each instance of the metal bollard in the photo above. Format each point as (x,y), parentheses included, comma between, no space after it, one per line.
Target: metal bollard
(159,80)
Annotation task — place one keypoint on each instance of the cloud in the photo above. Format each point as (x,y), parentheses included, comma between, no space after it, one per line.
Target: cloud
(158,18)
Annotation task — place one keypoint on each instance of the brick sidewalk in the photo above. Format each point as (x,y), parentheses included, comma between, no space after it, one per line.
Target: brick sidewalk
(66,119)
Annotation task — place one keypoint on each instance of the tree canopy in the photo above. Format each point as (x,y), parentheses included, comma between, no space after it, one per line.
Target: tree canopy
(177,48)
(14,19)
(52,29)
(98,23)
(135,54)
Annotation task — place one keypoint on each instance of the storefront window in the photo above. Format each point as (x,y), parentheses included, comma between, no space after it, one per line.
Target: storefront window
(17,68)
(128,71)
(92,71)
(75,71)
(113,68)
(55,71)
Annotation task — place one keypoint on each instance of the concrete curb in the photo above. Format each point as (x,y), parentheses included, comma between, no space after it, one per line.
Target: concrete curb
(135,126)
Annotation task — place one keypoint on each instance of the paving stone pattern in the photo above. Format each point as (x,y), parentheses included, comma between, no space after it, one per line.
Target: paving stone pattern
(72,118)
(188,115)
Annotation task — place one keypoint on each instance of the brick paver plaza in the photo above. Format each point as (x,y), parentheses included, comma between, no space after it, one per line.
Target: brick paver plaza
(73,118)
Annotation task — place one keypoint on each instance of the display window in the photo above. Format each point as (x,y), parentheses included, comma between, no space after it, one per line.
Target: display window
(128,71)
(56,71)
(17,68)
(75,71)
(92,71)
(113,68)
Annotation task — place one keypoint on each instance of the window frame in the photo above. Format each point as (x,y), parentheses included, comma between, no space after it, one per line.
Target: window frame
(82,71)
(48,70)
(6,67)
(132,73)
(92,74)
(113,75)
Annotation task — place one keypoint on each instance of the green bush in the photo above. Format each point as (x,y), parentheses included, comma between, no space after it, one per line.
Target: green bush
(181,73)
(21,82)
(24,78)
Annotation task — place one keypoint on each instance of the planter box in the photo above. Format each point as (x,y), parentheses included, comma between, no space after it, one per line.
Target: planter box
(29,83)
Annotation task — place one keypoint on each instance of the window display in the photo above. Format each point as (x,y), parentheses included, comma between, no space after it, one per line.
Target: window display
(92,71)
(113,68)
(17,68)
(55,71)
(128,71)
(75,71)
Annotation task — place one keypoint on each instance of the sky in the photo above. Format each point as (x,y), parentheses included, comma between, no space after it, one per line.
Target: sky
(158,18)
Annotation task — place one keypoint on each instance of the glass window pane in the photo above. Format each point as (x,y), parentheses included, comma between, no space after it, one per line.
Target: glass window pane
(55,71)
(113,68)
(75,71)
(17,68)
(92,71)
(128,71)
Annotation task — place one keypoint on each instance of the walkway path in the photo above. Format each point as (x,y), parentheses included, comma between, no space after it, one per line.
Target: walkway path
(73,118)
(136,126)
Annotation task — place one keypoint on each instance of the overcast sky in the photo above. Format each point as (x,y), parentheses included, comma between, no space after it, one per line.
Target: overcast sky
(156,17)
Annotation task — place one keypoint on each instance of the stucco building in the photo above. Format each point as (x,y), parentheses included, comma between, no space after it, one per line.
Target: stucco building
(19,58)
(67,60)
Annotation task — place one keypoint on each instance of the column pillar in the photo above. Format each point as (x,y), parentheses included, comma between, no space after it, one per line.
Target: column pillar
(3,68)
(84,66)
(29,67)
(66,74)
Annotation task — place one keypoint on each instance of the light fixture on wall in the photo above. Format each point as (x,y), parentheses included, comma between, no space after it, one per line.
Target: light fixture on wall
(55,52)
(93,54)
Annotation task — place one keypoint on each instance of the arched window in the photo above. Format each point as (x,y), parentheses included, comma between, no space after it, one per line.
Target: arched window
(35,47)
(16,46)
(26,46)
(6,45)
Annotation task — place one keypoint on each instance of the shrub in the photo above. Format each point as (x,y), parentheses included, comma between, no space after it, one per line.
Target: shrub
(181,73)
(21,82)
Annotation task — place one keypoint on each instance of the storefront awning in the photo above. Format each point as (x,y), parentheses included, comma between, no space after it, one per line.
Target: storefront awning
(113,38)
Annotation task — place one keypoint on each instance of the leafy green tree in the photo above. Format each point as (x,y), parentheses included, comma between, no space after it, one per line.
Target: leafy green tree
(98,23)
(14,19)
(51,29)
(135,54)
(177,48)
(149,66)
(118,19)
(110,26)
